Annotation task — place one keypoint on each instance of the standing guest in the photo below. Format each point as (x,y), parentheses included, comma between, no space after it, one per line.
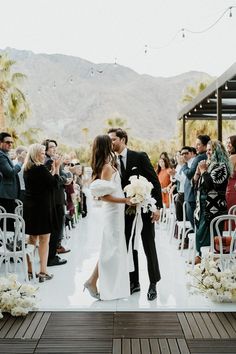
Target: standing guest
(10,185)
(38,204)
(57,233)
(212,179)
(189,170)
(21,152)
(231,188)
(163,173)
(138,163)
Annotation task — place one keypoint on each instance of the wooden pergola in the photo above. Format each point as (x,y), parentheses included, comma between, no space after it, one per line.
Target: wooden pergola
(217,102)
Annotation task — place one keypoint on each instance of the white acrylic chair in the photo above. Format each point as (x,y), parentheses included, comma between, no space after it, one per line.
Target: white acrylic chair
(183,228)
(18,250)
(232,210)
(226,259)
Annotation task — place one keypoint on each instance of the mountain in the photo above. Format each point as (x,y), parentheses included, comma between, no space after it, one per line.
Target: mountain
(71,98)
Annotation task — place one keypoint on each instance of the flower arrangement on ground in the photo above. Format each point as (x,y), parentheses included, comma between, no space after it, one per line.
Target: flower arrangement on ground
(16,298)
(139,190)
(208,279)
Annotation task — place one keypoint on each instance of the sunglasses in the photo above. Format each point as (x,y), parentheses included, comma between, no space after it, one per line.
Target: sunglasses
(8,142)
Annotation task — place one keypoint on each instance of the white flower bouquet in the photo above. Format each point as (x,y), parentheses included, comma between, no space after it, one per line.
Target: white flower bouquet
(139,190)
(15,298)
(208,279)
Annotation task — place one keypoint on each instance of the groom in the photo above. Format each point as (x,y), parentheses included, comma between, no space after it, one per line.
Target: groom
(138,163)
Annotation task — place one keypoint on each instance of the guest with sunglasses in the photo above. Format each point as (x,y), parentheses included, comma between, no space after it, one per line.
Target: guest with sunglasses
(9,185)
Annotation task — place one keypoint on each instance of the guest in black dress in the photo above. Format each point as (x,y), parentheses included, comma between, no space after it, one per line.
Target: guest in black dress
(38,204)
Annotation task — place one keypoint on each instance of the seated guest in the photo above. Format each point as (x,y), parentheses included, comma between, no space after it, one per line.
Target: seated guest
(211,178)
(231,188)
(38,204)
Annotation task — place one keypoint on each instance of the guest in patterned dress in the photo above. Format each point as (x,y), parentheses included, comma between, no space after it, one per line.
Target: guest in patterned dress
(211,178)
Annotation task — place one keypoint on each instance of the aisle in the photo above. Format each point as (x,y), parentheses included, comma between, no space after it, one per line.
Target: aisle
(65,291)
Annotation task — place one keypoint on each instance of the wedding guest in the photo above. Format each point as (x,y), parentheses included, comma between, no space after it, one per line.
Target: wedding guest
(212,179)
(163,173)
(189,169)
(38,204)
(231,188)
(21,152)
(9,186)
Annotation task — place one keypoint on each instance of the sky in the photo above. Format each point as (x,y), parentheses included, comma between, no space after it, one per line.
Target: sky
(108,31)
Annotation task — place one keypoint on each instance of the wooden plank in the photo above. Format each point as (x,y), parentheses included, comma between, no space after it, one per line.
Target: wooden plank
(174,349)
(60,345)
(231,332)
(201,325)
(183,346)
(154,345)
(15,327)
(164,348)
(116,346)
(231,319)
(8,324)
(220,328)
(33,325)
(216,346)
(15,346)
(210,325)
(185,325)
(194,327)
(145,348)
(126,347)
(42,324)
(28,319)
(135,346)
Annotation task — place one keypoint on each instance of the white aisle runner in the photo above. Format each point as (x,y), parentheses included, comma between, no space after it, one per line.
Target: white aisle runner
(65,291)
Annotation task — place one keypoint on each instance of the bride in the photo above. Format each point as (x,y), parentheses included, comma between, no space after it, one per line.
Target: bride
(112,268)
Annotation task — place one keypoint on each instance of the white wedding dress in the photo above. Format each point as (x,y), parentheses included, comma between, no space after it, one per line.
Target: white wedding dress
(113,259)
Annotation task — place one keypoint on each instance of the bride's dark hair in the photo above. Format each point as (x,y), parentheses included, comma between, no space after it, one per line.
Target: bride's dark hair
(102,153)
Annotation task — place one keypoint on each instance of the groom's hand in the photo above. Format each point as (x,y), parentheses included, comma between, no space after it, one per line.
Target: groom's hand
(155,215)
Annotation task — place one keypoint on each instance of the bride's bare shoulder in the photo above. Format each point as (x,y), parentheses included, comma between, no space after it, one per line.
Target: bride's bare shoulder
(107,171)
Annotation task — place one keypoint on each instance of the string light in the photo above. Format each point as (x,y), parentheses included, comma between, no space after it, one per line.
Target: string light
(208,100)
(230,11)
(145,49)
(226,86)
(200,105)
(183,33)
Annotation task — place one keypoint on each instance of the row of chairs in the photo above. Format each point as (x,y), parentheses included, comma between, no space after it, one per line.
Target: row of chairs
(226,222)
(13,245)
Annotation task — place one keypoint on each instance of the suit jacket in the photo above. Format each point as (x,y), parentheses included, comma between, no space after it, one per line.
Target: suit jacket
(189,172)
(138,163)
(9,185)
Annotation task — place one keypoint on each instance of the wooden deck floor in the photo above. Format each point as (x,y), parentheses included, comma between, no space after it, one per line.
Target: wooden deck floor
(119,333)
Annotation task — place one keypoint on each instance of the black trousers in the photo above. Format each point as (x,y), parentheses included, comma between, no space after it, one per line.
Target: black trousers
(148,240)
(179,201)
(57,232)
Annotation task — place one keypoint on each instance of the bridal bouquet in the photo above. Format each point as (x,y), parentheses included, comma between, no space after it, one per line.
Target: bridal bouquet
(16,298)
(139,190)
(208,279)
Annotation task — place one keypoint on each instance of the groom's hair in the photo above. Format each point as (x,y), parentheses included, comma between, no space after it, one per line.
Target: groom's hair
(120,133)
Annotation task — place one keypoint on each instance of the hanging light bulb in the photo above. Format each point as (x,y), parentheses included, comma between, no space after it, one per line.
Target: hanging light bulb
(226,86)
(71,80)
(183,33)
(91,72)
(195,109)
(230,12)
(39,90)
(145,49)
(189,113)
(208,100)
(200,106)
(215,94)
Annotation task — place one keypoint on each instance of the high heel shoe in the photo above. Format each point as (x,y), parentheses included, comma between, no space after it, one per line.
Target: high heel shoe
(30,275)
(44,276)
(92,291)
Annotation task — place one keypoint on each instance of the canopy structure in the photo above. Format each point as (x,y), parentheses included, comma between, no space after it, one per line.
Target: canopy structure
(216,102)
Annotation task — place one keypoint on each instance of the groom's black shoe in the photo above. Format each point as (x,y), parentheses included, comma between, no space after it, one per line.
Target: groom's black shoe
(134,288)
(152,292)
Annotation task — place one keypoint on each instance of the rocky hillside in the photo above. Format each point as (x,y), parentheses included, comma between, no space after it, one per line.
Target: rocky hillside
(72,98)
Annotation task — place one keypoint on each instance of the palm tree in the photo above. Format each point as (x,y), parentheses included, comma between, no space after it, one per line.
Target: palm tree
(14,108)
(115,122)
(193,91)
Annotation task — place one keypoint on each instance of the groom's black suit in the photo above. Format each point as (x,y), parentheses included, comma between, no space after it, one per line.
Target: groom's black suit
(138,163)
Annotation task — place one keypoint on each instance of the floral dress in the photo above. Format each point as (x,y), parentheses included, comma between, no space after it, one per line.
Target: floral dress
(210,201)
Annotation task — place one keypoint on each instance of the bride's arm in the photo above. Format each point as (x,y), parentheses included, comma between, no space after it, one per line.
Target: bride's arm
(107,175)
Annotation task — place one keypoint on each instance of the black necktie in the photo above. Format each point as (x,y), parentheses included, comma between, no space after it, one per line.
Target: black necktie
(122,166)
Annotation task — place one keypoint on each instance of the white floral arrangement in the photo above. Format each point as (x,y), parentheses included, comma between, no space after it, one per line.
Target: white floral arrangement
(208,279)
(16,298)
(139,192)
